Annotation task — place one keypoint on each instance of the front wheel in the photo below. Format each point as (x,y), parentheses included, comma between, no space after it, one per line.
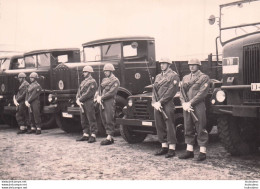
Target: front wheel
(48,121)
(238,135)
(68,124)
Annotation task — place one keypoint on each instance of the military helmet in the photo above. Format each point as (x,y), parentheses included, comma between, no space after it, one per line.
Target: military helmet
(21,75)
(88,69)
(108,67)
(34,75)
(194,61)
(165,60)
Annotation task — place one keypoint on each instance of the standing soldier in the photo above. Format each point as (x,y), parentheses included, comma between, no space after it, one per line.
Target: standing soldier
(106,99)
(32,101)
(165,87)
(195,88)
(19,101)
(85,100)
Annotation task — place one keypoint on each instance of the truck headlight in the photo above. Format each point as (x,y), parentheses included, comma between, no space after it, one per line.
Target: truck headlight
(50,97)
(130,102)
(220,96)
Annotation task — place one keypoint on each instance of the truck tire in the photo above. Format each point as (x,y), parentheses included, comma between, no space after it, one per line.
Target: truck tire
(68,125)
(238,135)
(10,120)
(179,125)
(48,121)
(131,137)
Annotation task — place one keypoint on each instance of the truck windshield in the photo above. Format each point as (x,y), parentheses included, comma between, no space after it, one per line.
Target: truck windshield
(44,60)
(5,65)
(30,61)
(238,19)
(109,52)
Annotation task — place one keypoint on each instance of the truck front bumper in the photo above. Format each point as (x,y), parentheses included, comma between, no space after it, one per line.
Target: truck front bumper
(51,109)
(10,110)
(237,110)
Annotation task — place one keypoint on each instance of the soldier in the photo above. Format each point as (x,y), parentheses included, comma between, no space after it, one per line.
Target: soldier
(32,101)
(165,87)
(106,99)
(19,101)
(196,86)
(85,99)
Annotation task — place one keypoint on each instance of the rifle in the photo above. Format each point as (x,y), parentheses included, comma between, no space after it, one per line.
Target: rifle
(194,117)
(99,88)
(165,117)
(81,108)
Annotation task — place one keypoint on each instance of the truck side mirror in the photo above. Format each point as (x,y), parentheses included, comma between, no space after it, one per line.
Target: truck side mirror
(212,19)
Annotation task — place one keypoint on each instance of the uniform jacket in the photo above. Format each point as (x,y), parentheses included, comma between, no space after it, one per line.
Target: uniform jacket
(166,86)
(109,87)
(33,92)
(22,91)
(87,89)
(196,88)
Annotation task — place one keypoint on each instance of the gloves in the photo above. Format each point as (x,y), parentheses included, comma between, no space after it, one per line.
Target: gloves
(78,102)
(157,105)
(27,104)
(98,99)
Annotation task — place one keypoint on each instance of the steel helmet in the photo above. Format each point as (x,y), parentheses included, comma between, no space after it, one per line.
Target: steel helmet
(108,67)
(88,69)
(165,60)
(194,61)
(21,75)
(34,75)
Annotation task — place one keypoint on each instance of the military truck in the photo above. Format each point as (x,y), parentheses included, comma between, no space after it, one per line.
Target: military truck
(237,102)
(8,62)
(129,55)
(138,120)
(42,62)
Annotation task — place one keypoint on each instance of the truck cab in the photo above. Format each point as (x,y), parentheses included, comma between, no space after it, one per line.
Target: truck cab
(237,102)
(129,55)
(41,62)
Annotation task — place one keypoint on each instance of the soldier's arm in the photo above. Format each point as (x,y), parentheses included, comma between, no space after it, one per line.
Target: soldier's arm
(22,96)
(203,91)
(172,90)
(78,93)
(112,91)
(90,92)
(35,94)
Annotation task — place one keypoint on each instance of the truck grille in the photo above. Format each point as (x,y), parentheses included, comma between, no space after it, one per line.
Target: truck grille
(141,109)
(251,71)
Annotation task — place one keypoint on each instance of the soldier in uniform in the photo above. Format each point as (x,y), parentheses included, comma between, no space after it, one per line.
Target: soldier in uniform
(196,86)
(165,87)
(19,101)
(32,101)
(106,99)
(85,99)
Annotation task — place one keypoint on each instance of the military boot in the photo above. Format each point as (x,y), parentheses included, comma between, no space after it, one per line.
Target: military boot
(92,139)
(107,142)
(162,151)
(83,138)
(22,131)
(201,157)
(31,131)
(38,132)
(170,153)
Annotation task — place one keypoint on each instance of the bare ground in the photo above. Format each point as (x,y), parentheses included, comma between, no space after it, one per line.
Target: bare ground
(55,155)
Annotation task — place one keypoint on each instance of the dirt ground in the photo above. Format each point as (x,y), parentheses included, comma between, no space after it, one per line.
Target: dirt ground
(55,155)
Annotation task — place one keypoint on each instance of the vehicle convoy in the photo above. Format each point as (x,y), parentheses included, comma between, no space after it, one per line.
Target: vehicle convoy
(138,120)
(129,55)
(237,102)
(40,61)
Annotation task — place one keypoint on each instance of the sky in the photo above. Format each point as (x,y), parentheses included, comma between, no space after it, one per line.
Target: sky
(180,28)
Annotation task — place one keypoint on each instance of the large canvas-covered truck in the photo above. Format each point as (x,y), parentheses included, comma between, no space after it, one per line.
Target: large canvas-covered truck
(42,62)
(237,102)
(129,55)
(138,120)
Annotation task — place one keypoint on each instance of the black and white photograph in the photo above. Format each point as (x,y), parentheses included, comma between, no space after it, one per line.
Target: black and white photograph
(129,93)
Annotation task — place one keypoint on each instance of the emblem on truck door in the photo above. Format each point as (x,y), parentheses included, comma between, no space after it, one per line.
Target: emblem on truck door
(61,85)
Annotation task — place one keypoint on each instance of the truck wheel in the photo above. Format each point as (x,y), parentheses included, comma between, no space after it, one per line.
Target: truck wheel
(238,135)
(179,125)
(48,121)
(68,125)
(131,137)
(10,120)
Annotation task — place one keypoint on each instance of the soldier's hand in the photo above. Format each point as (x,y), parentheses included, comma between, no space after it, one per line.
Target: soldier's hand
(190,110)
(98,99)
(27,104)
(186,106)
(78,102)
(157,105)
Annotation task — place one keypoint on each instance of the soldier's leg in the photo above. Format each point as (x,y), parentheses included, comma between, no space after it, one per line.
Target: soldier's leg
(171,130)
(37,115)
(21,119)
(202,137)
(92,121)
(84,124)
(31,122)
(160,127)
